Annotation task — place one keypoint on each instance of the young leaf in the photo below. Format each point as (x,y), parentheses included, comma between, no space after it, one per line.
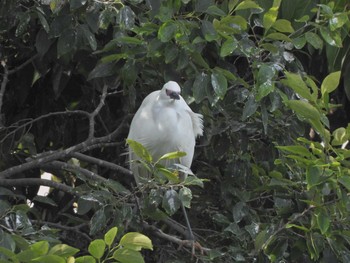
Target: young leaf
(295,82)
(167,31)
(139,150)
(63,250)
(171,176)
(172,155)
(110,236)
(85,259)
(247,4)
(283,25)
(314,40)
(49,259)
(97,248)
(270,16)
(125,255)
(136,241)
(330,83)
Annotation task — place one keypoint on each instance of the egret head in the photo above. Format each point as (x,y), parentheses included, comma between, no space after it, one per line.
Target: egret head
(171,90)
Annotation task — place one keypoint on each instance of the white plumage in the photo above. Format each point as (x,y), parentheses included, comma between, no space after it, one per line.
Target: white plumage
(164,123)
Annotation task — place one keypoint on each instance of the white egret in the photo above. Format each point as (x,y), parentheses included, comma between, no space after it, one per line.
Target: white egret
(165,123)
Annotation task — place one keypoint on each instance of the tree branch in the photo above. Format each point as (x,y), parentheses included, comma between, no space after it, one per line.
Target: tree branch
(67,228)
(93,114)
(3,88)
(186,243)
(38,181)
(61,154)
(100,162)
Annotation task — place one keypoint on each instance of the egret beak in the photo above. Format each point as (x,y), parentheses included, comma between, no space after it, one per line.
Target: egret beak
(173,95)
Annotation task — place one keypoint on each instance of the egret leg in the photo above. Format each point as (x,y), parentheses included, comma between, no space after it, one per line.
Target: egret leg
(190,233)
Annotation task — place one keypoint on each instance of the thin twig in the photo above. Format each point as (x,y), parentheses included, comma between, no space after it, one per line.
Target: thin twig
(30,60)
(93,114)
(38,181)
(173,239)
(3,88)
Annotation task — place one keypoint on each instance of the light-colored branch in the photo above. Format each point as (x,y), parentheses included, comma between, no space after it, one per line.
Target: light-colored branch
(3,88)
(37,182)
(93,114)
(182,243)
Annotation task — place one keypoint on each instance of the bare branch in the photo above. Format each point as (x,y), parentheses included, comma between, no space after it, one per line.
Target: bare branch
(173,239)
(63,227)
(30,122)
(100,162)
(38,181)
(61,154)
(93,114)
(74,169)
(30,60)
(3,88)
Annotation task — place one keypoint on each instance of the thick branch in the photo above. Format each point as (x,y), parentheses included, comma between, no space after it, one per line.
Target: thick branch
(100,162)
(38,181)
(74,169)
(61,154)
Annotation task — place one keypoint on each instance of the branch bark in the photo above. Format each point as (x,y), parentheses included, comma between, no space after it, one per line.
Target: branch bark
(38,181)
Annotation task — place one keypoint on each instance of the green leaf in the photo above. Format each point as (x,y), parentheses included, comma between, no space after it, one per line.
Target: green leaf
(313,176)
(323,220)
(139,150)
(283,25)
(340,136)
(314,40)
(345,181)
(209,31)
(265,80)
(67,42)
(97,248)
(172,155)
(49,259)
(215,11)
(129,40)
(279,36)
(126,18)
(200,86)
(167,31)
(332,38)
(296,149)
(98,221)
(6,252)
(171,176)
(185,195)
(295,82)
(85,259)
(338,20)
(247,5)
(34,251)
(219,84)
(110,236)
(228,47)
(250,107)
(193,180)
(125,255)
(330,83)
(102,70)
(199,60)
(304,109)
(75,4)
(171,202)
(136,241)
(270,16)
(63,250)
(89,36)
(299,42)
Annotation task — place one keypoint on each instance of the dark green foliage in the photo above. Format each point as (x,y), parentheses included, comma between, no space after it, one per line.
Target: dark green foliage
(261,72)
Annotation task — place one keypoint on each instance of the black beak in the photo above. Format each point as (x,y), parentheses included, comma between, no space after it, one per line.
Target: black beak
(173,95)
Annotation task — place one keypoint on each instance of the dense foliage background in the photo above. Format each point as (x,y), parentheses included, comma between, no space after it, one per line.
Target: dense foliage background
(270,77)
